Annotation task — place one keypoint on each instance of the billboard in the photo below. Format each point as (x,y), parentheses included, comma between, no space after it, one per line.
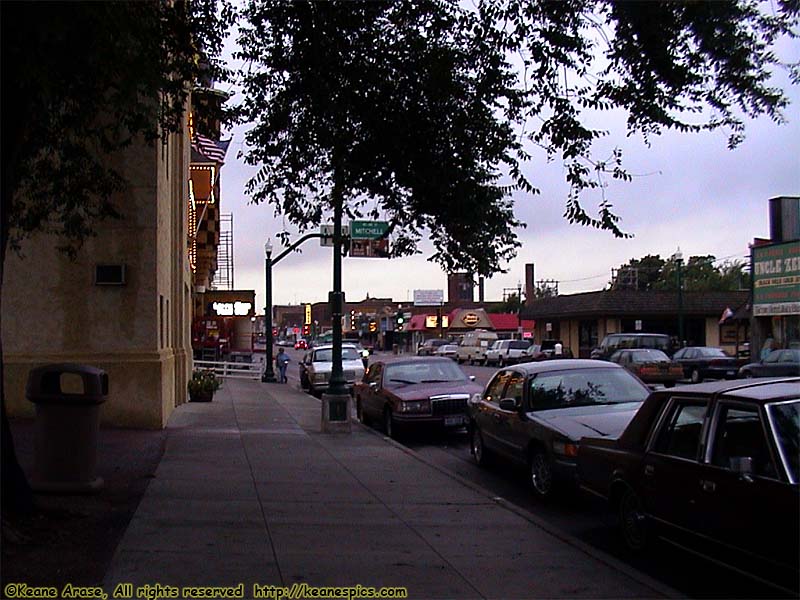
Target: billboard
(428,297)
(776,279)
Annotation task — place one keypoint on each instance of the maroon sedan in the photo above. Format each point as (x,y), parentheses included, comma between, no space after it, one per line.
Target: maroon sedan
(415,392)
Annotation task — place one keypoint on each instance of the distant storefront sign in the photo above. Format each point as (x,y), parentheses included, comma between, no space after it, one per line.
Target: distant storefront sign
(428,297)
(776,279)
(470,319)
(307,315)
(430,321)
(229,309)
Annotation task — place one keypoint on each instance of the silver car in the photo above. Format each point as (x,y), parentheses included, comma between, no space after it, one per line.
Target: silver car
(317,364)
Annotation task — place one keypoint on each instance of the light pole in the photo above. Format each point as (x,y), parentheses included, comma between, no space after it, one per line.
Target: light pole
(678,256)
(269,375)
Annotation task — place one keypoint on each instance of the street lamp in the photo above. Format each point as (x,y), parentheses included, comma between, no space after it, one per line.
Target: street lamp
(678,257)
(269,375)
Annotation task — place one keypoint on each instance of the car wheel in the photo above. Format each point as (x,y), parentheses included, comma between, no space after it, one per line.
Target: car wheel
(696,378)
(632,520)
(747,374)
(477,448)
(303,381)
(471,361)
(389,426)
(541,474)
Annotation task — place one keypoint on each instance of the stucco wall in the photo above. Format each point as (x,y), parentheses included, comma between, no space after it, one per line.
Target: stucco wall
(53,311)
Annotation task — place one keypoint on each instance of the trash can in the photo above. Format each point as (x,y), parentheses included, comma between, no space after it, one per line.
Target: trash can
(67,399)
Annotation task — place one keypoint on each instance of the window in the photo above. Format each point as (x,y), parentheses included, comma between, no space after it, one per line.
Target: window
(680,433)
(739,436)
(495,388)
(516,384)
(584,387)
(374,374)
(785,418)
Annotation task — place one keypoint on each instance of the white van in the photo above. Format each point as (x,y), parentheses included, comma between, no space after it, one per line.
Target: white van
(472,347)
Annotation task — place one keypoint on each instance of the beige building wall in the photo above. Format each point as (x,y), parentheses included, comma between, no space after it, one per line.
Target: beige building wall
(137,332)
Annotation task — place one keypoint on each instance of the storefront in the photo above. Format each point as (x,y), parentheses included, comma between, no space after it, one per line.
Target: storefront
(776,296)
(225,325)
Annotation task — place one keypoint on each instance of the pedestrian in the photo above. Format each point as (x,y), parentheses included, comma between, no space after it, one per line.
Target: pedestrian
(282,361)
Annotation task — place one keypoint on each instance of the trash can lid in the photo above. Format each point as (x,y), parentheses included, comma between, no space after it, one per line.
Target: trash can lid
(44,384)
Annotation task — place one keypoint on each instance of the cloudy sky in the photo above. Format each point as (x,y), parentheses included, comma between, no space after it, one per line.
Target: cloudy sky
(688,191)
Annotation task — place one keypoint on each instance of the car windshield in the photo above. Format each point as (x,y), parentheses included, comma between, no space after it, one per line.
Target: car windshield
(424,372)
(583,387)
(786,420)
(644,356)
(711,352)
(326,354)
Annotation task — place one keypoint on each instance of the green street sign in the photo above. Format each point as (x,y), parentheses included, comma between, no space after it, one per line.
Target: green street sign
(368,230)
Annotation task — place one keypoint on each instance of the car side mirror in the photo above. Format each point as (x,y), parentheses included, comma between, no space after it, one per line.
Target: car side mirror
(508,404)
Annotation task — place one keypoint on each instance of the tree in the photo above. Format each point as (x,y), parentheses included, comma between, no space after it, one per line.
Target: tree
(80,82)
(414,110)
(388,107)
(699,274)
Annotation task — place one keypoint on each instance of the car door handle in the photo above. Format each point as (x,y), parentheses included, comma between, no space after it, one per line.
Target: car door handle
(708,486)
(649,470)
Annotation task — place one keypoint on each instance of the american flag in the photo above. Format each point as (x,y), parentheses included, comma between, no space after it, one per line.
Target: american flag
(210,149)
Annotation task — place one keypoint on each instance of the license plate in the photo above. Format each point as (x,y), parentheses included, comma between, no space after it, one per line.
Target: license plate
(731,372)
(455,420)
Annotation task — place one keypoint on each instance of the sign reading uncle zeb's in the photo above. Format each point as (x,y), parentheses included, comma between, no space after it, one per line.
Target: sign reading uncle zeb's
(776,279)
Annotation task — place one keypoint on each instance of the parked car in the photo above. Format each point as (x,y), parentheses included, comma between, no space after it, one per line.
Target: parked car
(285,343)
(617,341)
(777,363)
(414,392)
(506,352)
(545,351)
(701,362)
(712,467)
(428,347)
(535,414)
(447,351)
(651,366)
(317,364)
(301,345)
(473,346)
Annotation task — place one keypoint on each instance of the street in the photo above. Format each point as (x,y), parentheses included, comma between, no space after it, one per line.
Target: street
(572,513)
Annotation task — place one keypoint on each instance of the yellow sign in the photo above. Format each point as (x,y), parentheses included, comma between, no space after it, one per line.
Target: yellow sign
(430,321)
(471,319)
(308,315)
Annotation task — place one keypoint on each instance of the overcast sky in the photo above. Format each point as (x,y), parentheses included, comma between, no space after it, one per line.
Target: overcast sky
(689,191)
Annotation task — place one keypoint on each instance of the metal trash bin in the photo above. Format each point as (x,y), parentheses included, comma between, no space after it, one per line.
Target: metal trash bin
(67,424)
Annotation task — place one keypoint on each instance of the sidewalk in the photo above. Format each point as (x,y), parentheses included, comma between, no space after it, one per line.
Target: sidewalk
(249,492)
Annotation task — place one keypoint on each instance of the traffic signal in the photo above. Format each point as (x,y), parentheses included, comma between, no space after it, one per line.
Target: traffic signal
(399,320)
(373,327)
(306,330)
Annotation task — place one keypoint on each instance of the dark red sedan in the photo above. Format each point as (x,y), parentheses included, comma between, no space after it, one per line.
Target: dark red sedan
(415,392)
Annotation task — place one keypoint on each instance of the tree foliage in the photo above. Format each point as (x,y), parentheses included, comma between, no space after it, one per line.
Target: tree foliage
(81,81)
(698,273)
(392,104)
(425,112)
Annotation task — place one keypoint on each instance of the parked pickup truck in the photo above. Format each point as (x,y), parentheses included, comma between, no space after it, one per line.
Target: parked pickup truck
(713,467)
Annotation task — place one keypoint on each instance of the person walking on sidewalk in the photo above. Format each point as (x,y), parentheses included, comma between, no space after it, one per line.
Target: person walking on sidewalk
(282,361)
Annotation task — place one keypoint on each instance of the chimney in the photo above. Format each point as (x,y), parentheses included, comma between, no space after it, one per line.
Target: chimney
(784,219)
(530,287)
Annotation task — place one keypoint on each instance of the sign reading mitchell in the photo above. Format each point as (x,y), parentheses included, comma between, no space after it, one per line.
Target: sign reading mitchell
(368,230)
(776,279)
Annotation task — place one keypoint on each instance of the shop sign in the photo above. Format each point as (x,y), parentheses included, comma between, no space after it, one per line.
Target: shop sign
(228,309)
(776,279)
(471,319)
(430,321)
(307,320)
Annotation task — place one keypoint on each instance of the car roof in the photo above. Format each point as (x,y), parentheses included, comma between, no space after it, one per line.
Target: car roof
(564,364)
(638,334)
(330,346)
(765,389)
(417,359)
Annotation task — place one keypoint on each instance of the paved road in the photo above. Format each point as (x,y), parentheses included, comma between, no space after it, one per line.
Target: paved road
(584,518)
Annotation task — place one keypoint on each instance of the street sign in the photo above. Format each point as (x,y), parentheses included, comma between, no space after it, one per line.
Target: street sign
(369,248)
(428,297)
(368,230)
(326,231)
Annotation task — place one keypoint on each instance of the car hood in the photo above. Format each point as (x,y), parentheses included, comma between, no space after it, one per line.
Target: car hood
(582,421)
(417,391)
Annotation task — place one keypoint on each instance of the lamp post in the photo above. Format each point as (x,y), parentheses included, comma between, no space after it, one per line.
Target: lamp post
(269,375)
(678,256)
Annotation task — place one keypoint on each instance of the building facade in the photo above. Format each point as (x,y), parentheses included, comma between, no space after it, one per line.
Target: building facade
(124,305)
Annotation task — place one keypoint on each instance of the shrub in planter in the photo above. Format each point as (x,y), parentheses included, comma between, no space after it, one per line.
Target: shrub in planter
(202,386)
